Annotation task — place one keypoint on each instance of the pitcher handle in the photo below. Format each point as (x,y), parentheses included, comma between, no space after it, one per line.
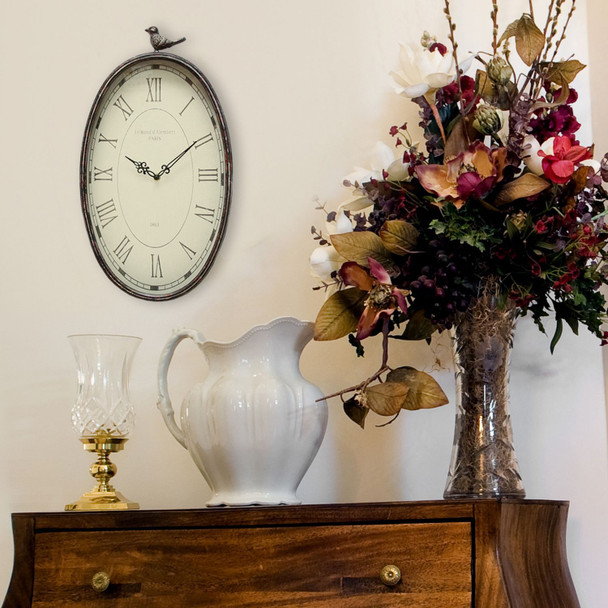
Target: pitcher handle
(164,403)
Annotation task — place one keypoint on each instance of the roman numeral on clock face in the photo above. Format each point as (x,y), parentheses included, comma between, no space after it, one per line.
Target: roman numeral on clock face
(106,212)
(184,108)
(157,270)
(189,252)
(104,140)
(124,107)
(123,250)
(205,213)
(102,175)
(208,175)
(204,140)
(154,89)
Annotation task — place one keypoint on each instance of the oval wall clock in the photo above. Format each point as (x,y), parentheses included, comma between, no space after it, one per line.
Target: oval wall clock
(155,175)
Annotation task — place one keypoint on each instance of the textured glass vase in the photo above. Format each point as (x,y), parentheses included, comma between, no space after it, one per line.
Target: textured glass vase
(483,463)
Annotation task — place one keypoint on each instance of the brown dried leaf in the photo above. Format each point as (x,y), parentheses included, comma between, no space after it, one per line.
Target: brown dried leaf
(386,398)
(484,87)
(562,71)
(579,179)
(398,236)
(424,391)
(355,411)
(528,184)
(510,31)
(457,140)
(340,314)
(358,246)
(529,40)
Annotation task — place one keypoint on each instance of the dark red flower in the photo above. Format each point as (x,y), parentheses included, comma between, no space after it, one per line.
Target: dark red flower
(437,46)
(383,298)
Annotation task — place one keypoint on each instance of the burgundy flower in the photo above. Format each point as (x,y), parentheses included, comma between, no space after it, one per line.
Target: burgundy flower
(383,298)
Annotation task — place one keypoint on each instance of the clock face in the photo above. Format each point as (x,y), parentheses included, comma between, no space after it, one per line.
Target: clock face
(155,176)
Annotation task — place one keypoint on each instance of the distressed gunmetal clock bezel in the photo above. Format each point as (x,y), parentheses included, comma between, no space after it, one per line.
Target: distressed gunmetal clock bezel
(226,170)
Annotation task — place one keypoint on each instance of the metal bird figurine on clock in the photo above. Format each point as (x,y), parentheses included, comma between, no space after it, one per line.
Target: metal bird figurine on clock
(155,174)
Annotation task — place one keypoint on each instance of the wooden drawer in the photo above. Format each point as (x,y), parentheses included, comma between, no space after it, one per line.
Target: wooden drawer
(452,554)
(258,566)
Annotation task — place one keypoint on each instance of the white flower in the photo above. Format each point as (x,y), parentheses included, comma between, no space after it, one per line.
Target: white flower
(503,133)
(382,159)
(423,70)
(324,261)
(532,147)
(594,164)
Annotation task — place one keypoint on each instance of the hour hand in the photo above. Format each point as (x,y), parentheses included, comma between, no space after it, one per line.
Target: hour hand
(142,167)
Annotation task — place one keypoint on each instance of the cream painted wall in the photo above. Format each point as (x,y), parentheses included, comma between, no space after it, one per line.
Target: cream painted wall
(305,90)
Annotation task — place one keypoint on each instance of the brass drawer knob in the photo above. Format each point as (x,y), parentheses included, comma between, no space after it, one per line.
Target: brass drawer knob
(100,581)
(390,575)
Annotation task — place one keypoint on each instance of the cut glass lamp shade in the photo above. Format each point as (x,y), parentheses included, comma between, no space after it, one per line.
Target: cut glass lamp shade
(103,405)
(103,414)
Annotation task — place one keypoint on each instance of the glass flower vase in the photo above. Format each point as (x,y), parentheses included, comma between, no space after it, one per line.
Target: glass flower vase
(483,463)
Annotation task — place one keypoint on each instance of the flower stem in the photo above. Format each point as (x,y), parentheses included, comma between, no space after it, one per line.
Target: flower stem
(430,98)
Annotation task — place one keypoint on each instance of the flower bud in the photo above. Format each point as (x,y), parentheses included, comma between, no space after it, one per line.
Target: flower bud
(519,219)
(487,120)
(499,71)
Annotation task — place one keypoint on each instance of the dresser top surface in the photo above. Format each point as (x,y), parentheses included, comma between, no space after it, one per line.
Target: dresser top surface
(319,514)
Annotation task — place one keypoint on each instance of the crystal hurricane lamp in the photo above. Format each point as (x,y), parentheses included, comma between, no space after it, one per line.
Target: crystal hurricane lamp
(103,414)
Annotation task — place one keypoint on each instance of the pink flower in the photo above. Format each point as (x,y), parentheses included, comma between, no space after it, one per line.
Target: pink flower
(560,165)
(383,298)
(470,174)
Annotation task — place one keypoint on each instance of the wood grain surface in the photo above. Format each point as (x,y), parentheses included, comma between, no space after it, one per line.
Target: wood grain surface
(452,554)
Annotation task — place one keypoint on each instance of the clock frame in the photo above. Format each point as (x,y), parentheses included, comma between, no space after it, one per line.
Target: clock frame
(155,176)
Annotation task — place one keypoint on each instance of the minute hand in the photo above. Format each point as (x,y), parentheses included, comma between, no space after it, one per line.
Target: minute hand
(167,168)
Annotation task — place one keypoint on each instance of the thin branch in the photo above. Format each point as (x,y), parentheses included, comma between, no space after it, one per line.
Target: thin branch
(452,27)
(494,17)
(563,36)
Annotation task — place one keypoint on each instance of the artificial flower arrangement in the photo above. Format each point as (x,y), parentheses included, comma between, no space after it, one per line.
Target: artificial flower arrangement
(503,198)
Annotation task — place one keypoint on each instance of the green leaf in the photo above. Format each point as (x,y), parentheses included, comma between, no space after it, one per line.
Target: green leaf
(358,246)
(557,335)
(386,398)
(512,230)
(340,314)
(355,411)
(573,324)
(527,185)
(419,327)
(424,391)
(398,236)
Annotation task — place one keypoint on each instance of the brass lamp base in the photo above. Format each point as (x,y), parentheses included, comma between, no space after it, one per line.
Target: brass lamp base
(102,497)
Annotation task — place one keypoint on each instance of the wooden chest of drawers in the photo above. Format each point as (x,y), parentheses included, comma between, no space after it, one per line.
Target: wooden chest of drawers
(486,554)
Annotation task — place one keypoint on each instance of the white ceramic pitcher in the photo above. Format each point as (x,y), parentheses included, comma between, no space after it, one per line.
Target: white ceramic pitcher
(254,425)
